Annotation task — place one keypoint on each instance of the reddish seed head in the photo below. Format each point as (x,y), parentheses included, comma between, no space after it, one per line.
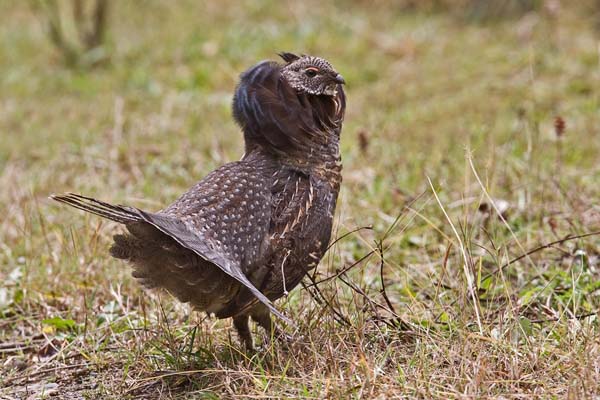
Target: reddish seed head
(363,140)
(559,126)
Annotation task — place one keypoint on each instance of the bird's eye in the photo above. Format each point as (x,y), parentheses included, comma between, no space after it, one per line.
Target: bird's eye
(311,72)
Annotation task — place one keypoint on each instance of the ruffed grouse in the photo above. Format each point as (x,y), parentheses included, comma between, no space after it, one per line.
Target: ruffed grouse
(248,232)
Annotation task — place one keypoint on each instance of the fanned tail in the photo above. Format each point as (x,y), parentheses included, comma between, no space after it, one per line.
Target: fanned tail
(121,214)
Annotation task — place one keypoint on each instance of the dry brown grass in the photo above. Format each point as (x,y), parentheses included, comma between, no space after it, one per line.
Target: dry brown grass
(469,107)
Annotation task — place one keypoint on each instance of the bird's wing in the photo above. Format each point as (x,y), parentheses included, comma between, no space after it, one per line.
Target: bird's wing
(180,232)
(224,219)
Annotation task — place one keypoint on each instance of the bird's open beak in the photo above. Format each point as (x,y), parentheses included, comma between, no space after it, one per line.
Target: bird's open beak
(339,79)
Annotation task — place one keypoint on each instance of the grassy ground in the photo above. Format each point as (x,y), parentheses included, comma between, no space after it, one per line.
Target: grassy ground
(469,106)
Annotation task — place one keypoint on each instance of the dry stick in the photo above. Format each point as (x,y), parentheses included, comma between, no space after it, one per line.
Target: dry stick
(398,320)
(555,275)
(337,314)
(540,248)
(346,269)
(56,369)
(320,298)
(444,270)
(339,274)
(578,317)
(368,227)
(28,342)
(317,295)
(381,265)
(358,290)
(397,220)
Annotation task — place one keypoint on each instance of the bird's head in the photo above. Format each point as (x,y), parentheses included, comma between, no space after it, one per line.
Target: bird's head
(309,74)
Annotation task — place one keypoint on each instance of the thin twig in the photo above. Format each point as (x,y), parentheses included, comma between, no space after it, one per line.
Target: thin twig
(381,265)
(400,214)
(348,234)
(578,317)
(346,269)
(337,314)
(397,321)
(540,248)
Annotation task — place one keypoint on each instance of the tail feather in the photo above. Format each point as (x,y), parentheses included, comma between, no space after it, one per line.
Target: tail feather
(121,214)
(175,229)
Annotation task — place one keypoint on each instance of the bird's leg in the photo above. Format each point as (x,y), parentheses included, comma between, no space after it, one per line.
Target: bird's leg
(262,316)
(241,325)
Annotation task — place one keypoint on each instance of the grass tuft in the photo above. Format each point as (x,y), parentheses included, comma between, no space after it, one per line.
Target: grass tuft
(455,274)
